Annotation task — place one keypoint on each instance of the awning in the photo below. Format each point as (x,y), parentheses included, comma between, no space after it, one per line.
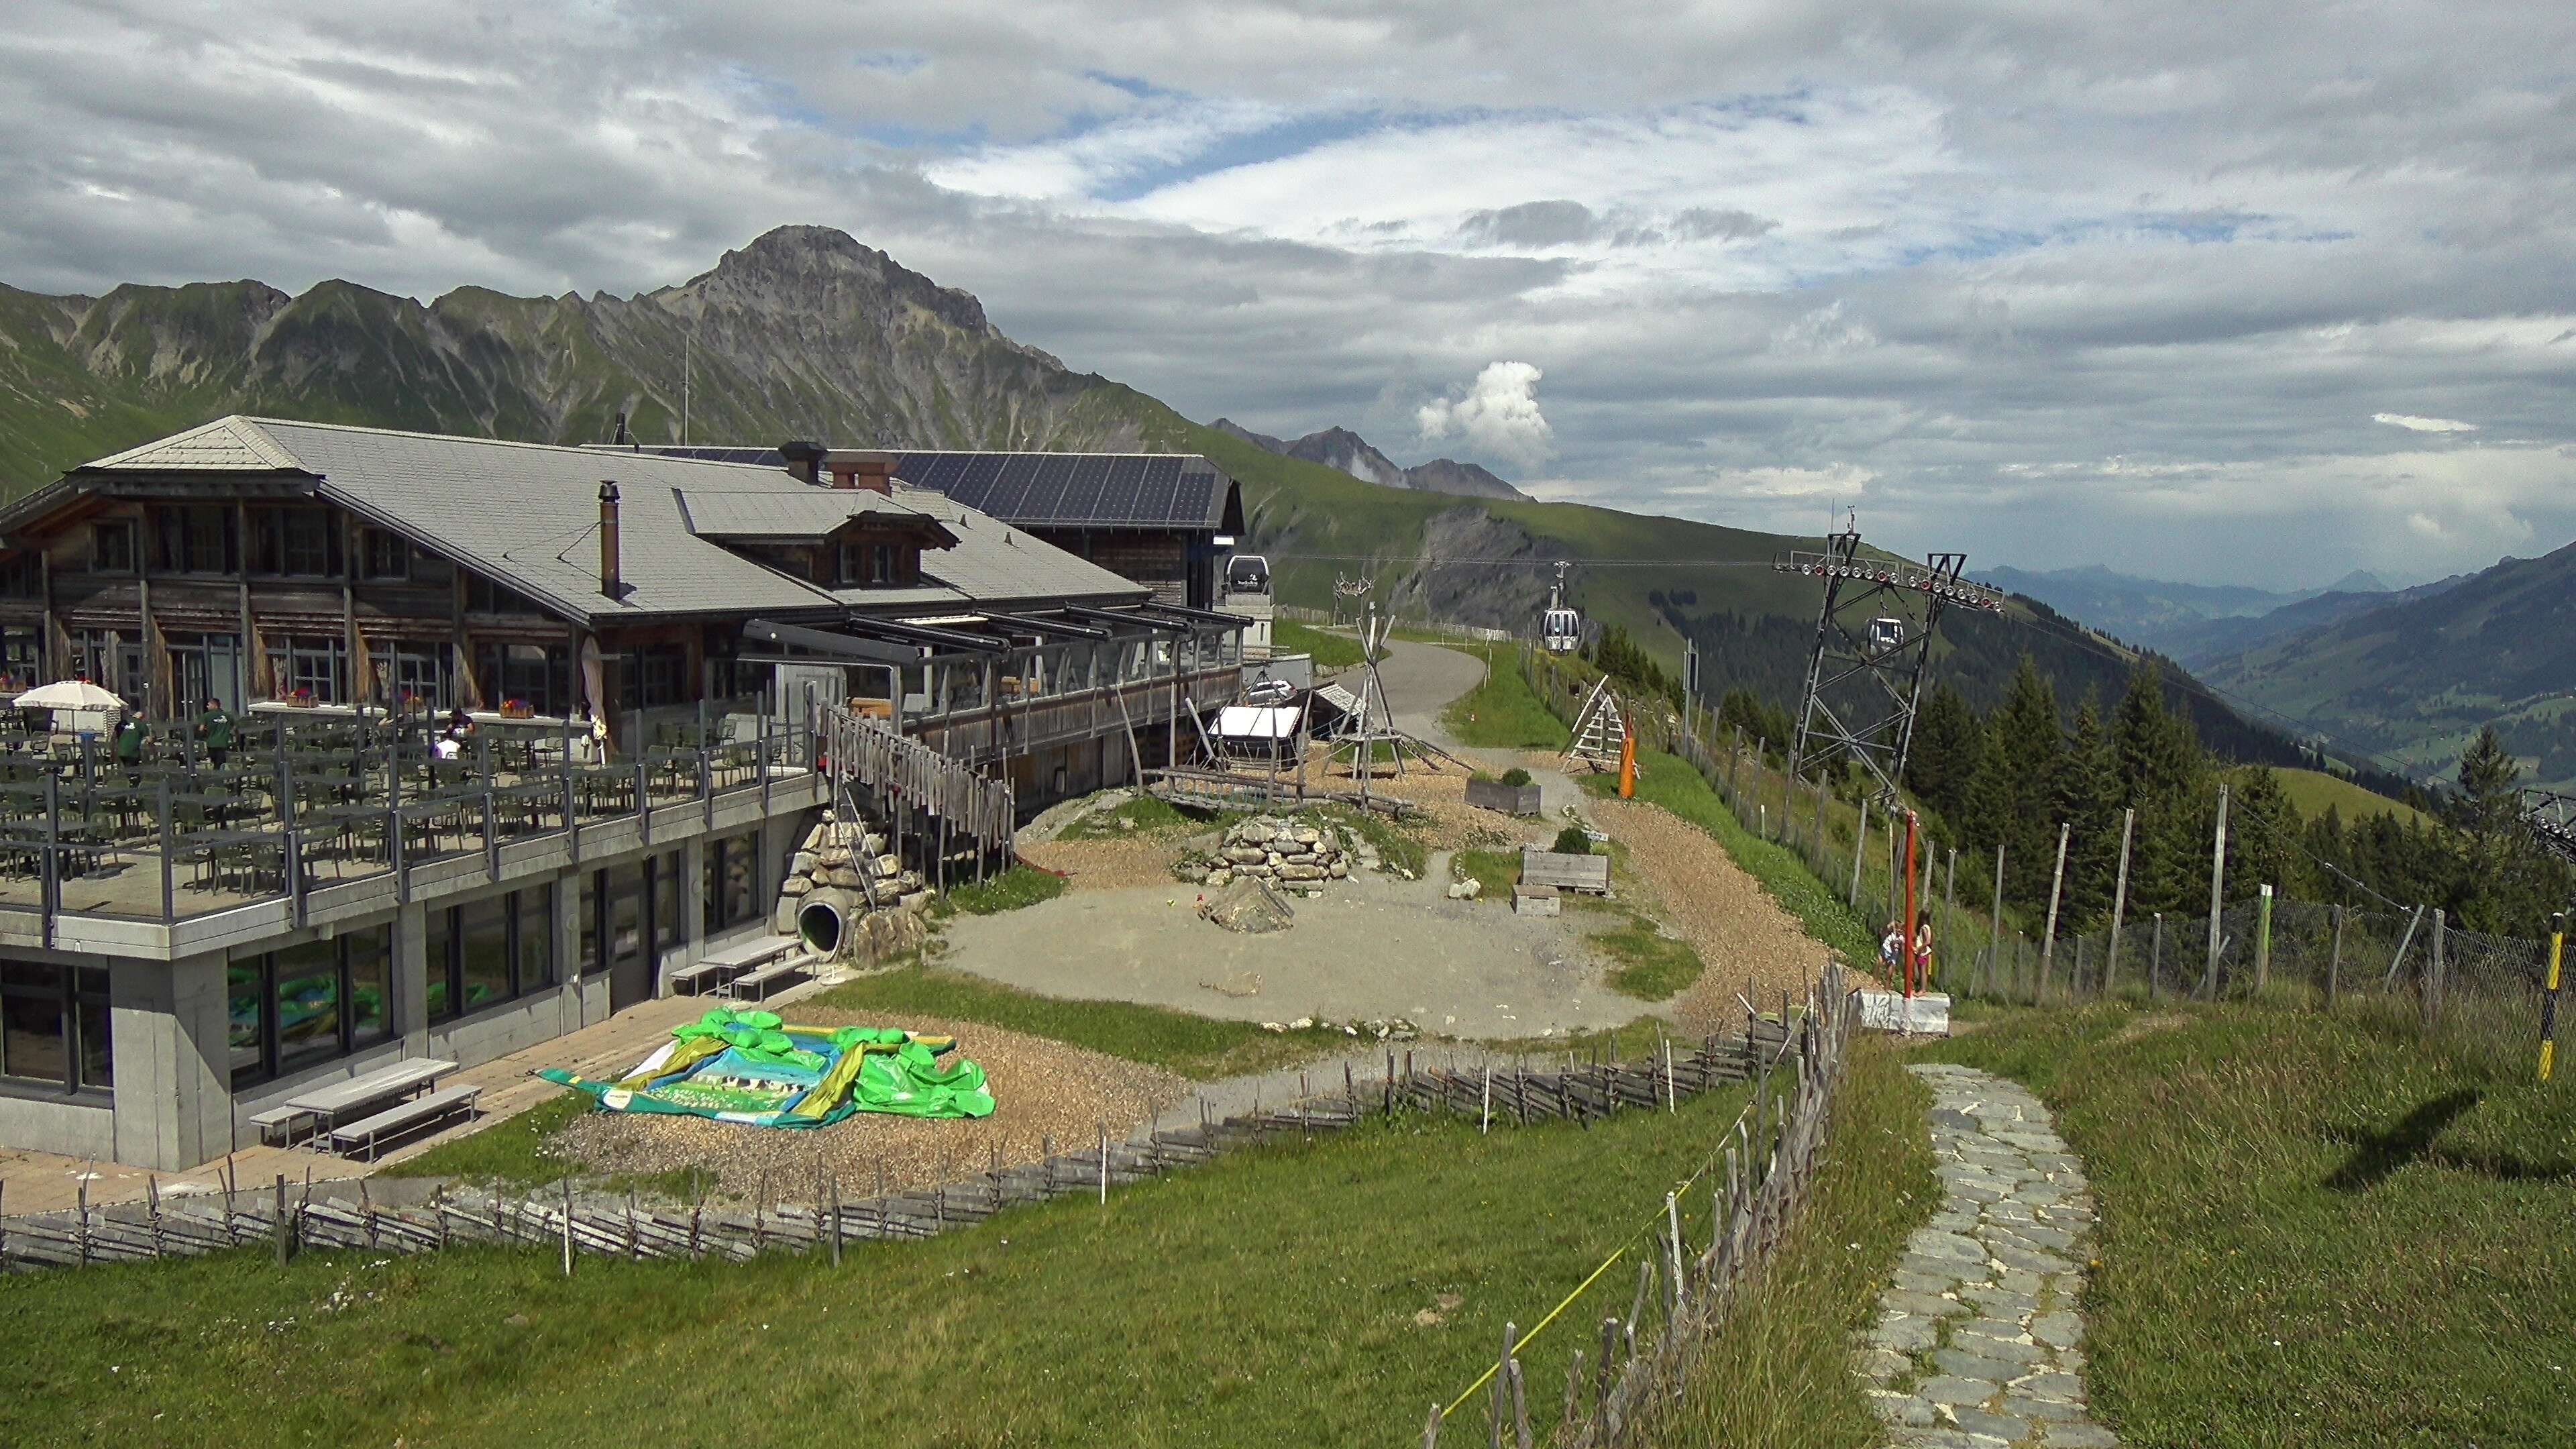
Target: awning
(1257,722)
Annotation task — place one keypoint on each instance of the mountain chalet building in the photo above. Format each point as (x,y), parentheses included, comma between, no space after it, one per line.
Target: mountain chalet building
(191,936)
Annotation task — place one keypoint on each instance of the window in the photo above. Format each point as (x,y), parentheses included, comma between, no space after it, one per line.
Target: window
(656,676)
(289,1009)
(22,657)
(592,960)
(482,596)
(206,666)
(314,666)
(732,881)
(22,575)
(54,1026)
(868,565)
(488,951)
(194,538)
(296,542)
(94,656)
(538,674)
(111,547)
(385,554)
(416,671)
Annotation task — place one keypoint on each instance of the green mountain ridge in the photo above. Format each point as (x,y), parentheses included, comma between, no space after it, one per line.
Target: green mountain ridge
(2416,679)
(804,332)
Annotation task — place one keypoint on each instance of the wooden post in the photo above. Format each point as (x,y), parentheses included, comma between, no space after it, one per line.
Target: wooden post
(567,1226)
(836,1220)
(1104,1163)
(2433,980)
(1995,922)
(2156,956)
(2119,901)
(1500,1397)
(1520,1406)
(2334,960)
(2217,893)
(281,1231)
(2263,938)
(1485,1123)
(2048,942)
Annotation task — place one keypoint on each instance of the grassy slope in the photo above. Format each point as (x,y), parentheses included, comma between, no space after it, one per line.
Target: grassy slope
(1503,713)
(2313,790)
(1269,1298)
(2314,1232)
(1669,781)
(1331,651)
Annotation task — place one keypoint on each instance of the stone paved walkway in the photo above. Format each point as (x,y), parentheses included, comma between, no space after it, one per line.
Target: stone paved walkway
(1979,1342)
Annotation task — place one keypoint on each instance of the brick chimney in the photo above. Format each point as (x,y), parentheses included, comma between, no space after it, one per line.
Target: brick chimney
(804,459)
(866,469)
(609,581)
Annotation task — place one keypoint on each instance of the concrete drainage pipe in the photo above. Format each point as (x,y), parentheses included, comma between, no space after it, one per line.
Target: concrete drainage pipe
(828,919)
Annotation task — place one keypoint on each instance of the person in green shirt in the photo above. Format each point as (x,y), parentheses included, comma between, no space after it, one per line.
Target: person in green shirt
(215,728)
(129,745)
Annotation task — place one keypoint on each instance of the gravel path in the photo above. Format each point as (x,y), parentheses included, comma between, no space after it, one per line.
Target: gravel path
(1741,934)
(1041,1089)
(1978,1343)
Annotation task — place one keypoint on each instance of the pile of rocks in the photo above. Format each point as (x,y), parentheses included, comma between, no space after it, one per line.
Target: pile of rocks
(1393,1028)
(857,862)
(1280,852)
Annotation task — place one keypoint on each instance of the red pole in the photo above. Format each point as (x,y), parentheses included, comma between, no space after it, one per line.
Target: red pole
(1912,962)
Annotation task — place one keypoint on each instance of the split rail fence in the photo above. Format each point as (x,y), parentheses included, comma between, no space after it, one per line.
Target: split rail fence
(820,1215)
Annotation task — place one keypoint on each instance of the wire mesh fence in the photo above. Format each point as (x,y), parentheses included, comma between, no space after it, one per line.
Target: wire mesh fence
(2473,991)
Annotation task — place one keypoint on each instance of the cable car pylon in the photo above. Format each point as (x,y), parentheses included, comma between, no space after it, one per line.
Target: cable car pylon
(1873,646)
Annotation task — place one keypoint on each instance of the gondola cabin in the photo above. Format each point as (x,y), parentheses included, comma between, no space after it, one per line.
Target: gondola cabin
(1886,635)
(1561,630)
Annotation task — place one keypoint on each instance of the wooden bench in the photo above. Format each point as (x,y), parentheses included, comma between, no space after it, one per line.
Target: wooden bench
(1565,872)
(278,1124)
(368,1135)
(756,985)
(717,970)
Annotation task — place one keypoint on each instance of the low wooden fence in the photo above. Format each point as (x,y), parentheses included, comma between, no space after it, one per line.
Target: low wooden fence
(1758,1173)
(285,1216)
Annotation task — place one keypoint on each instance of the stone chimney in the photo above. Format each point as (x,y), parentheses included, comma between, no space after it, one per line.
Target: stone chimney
(804,459)
(869,470)
(609,581)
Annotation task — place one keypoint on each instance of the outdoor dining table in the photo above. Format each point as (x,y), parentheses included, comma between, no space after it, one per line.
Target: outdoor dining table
(334,1100)
(221,806)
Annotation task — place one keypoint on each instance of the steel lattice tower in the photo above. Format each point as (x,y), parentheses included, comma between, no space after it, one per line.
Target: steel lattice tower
(1864,678)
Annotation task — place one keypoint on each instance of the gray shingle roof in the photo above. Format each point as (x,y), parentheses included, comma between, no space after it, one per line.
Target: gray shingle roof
(527,514)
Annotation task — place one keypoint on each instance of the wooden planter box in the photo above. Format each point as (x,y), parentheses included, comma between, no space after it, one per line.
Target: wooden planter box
(1495,795)
(1565,872)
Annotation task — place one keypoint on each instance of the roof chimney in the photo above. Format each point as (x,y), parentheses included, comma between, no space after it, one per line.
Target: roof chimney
(872,471)
(609,582)
(804,459)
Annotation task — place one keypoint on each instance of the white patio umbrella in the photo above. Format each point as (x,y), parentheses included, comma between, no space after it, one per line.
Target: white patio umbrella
(70,694)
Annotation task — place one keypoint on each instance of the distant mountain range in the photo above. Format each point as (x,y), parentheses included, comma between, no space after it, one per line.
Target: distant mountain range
(2169,617)
(2414,674)
(805,332)
(1348,451)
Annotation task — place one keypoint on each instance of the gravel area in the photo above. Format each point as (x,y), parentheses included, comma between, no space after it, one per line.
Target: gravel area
(1738,930)
(1103,865)
(1041,1089)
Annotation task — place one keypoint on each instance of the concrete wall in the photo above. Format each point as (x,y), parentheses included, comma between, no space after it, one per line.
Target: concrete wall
(173,1106)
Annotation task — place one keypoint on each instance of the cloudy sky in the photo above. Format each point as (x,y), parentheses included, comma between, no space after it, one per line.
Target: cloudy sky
(2256,301)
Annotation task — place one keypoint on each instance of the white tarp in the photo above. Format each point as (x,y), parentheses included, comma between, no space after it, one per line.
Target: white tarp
(1253,722)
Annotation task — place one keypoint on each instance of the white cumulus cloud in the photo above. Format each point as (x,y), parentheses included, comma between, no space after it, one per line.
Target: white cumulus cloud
(2414,424)
(1497,417)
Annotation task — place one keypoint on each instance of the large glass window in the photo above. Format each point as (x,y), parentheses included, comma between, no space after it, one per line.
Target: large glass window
(387,554)
(194,538)
(409,671)
(591,958)
(488,951)
(35,1024)
(22,658)
(483,952)
(289,1009)
(307,996)
(296,542)
(310,666)
(532,928)
(54,1026)
(111,547)
(732,883)
(665,890)
(656,676)
(536,675)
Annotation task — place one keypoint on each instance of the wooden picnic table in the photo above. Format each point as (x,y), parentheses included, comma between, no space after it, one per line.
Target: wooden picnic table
(334,1100)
